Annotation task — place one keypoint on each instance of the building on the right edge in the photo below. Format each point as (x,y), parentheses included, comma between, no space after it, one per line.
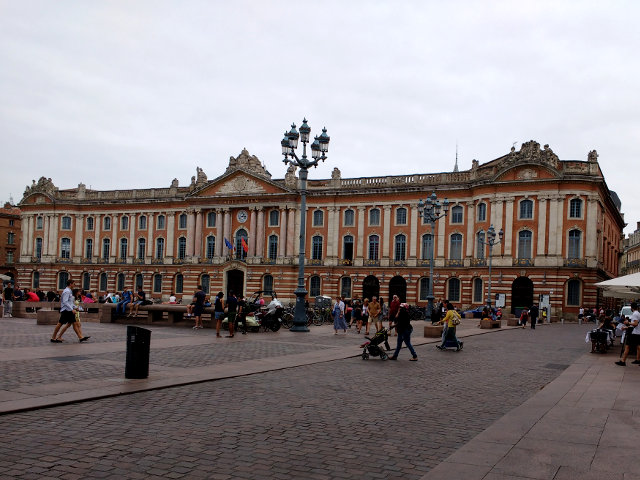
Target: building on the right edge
(630,262)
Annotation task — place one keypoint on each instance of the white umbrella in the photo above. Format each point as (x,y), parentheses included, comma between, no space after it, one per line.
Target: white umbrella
(5,278)
(627,286)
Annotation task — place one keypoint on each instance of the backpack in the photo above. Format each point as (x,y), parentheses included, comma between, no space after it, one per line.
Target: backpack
(456,318)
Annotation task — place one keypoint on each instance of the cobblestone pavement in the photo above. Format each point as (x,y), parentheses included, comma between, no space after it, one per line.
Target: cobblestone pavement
(345,419)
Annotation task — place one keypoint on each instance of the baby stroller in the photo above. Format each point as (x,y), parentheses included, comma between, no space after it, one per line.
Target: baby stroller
(373,348)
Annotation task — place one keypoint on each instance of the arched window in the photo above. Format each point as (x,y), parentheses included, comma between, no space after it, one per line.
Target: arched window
(211,219)
(106,248)
(454,290)
(142,222)
(345,287)
(482,212)
(35,280)
(107,223)
(273,247)
(119,281)
(179,283)
(157,283)
(40,223)
(274,218)
(526,209)
(318,218)
(455,250)
(575,208)
(480,245)
(89,223)
(267,283)
(427,246)
(205,281)
(241,235)
(123,248)
(86,281)
(349,218)
(159,248)
(524,244)
(374,247)
(65,248)
(316,247)
(457,214)
(38,248)
(477,290)
(400,248)
(314,286)
(575,244)
(66,223)
(573,292)
(182,221)
(424,288)
(142,248)
(401,216)
(62,280)
(139,282)
(88,249)
(182,248)
(211,246)
(124,223)
(161,222)
(103,282)
(347,247)
(374,217)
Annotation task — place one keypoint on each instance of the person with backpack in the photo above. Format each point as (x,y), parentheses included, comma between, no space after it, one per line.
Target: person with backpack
(450,321)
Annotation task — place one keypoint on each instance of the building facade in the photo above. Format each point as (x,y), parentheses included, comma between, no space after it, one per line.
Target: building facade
(10,235)
(364,236)
(631,257)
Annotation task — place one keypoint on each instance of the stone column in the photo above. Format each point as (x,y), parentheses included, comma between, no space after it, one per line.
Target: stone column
(332,247)
(219,232)
(191,232)
(508,227)
(471,234)
(413,233)
(97,228)
(260,234)
(77,243)
(133,226)
(360,240)
(291,231)
(227,229)
(553,226)
(282,241)
(114,238)
(253,218)
(171,238)
(55,241)
(197,250)
(561,233)
(591,235)
(542,226)
(25,238)
(440,228)
(385,244)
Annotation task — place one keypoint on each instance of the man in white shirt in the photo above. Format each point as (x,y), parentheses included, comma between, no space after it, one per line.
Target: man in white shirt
(632,340)
(67,316)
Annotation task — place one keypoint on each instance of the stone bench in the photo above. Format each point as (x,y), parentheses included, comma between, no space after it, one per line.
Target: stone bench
(157,313)
(487,323)
(512,322)
(433,331)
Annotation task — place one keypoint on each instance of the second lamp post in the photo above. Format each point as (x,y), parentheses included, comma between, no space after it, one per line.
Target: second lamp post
(490,240)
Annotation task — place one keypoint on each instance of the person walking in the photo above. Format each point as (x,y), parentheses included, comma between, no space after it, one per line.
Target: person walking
(451,320)
(339,322)
(198,308)
(366,319)
(524,316)
(218,311)
(67,316)
(633,339)
(374,313)
(402,324)
(384,312)
(232,310)
(241,316)
(7,299)
(533,315)
(356,314)
(393,311)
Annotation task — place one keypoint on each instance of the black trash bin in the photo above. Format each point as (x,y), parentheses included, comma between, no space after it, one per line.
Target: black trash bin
(138,343)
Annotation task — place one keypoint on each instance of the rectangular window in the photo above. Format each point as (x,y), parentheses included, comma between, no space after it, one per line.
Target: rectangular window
(456,214)
(161,220)
(349,218)
(482,212)
(9,256)
(11,238)
(401,216)
(374,217)
(66,223)
(124,223)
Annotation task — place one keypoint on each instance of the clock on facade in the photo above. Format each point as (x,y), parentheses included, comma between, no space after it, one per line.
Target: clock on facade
(242,216)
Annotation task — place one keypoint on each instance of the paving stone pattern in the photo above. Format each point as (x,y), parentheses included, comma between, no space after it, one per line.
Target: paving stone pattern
(345,419)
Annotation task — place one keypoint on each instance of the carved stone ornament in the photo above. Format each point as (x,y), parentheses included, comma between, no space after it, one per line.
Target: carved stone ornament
(593,156)
(527,174)
(44,185)
(248,163)
(530,152)
(241,184)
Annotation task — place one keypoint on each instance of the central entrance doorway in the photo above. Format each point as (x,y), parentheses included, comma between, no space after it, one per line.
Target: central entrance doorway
(235,282)
(370,287)
(521,294)
(398,286)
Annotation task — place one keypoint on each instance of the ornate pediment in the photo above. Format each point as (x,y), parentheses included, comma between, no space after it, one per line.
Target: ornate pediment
(248,163)
(240,184)
(530,152)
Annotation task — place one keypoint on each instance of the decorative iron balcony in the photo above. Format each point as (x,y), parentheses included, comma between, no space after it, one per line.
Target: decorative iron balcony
(523,262)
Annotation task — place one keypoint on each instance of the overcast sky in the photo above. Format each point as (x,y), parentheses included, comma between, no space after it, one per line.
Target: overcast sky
(125,94)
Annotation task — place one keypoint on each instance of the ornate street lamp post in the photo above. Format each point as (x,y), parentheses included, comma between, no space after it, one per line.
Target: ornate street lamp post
(319,147)
(491,241)
(430,212)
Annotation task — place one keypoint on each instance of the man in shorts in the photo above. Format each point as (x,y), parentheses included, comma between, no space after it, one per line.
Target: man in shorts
(633,337)
(198,308)
(67,315)
(232,309)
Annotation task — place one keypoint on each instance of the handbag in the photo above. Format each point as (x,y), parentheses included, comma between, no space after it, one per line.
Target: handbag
(456,319)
